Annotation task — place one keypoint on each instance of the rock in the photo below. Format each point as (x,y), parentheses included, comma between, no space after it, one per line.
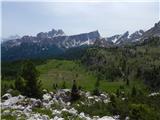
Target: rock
(68,103)
(48,105)
(62,102)
(56,112)
(103,96)
(18,107)
(106,101)
(45,117)
(95,117)
(57,118)
(36,116)
(21,97)
(97,99)
(36,102)
(47,97)
(64,110)
(154,94)
(44,90)
(81,115)
(123,98)
(55,100)
(106,118)
(90,98)
(87,94)
(6,96)
(27,110)
(117,117)
(127,118)
(82,103)
(72,111)
(10,102)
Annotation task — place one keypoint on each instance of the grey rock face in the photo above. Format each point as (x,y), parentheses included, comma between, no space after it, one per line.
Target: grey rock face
(126,37)
(153,32)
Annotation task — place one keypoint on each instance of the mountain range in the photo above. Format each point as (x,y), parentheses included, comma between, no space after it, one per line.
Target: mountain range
(55,42)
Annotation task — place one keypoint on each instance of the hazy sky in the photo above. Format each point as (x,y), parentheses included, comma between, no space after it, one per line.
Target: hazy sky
(29,18)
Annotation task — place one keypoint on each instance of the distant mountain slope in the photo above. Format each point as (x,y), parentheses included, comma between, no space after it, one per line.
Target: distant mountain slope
(153,32)
(126,37)
(48,44)
(56,42)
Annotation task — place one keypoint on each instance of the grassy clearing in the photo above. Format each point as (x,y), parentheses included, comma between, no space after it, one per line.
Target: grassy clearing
(58,71)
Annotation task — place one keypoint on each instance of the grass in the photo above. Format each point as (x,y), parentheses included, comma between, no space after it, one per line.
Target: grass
(58,71)
(43,111)
(8,117)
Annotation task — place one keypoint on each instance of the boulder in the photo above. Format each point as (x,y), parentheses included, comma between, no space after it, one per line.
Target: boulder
(6,96)
(10,102)
(36,102)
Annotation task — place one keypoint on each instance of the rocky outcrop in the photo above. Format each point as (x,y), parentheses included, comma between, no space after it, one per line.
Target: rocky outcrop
(56,104)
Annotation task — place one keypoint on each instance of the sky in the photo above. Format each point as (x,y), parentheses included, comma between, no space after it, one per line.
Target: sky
(108,17)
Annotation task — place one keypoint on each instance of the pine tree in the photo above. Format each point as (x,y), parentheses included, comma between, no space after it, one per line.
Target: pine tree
(75,92)
(134,91)
(96,89)
(33,85)
(118,92)
(19,84)
(64,85)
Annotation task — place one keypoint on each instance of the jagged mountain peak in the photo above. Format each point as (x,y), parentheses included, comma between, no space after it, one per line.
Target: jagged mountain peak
(157,24)
(51,34)
(126,37)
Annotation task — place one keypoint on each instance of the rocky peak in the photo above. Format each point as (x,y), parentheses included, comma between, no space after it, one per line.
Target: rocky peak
(136,35)
(51,34)
(125,35)
(157,24)
(94,34)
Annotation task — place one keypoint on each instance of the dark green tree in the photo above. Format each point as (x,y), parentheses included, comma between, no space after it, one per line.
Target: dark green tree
(74,92)
(32,84)
(19,84)
(118,92)
(96,90)
(64,85)
(134,91)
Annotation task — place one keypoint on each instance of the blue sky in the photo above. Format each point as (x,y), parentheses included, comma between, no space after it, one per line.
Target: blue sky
(29,18)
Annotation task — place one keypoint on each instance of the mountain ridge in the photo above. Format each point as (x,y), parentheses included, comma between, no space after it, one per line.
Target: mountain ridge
(56,42)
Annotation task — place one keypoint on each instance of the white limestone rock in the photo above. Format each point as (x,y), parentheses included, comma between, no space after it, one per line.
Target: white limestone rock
(6,96)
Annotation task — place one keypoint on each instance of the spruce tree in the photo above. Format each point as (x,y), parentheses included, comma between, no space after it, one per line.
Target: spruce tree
(134,91)
(64,85)
(19,84)
(32,84)
(96,89)
(74,92)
